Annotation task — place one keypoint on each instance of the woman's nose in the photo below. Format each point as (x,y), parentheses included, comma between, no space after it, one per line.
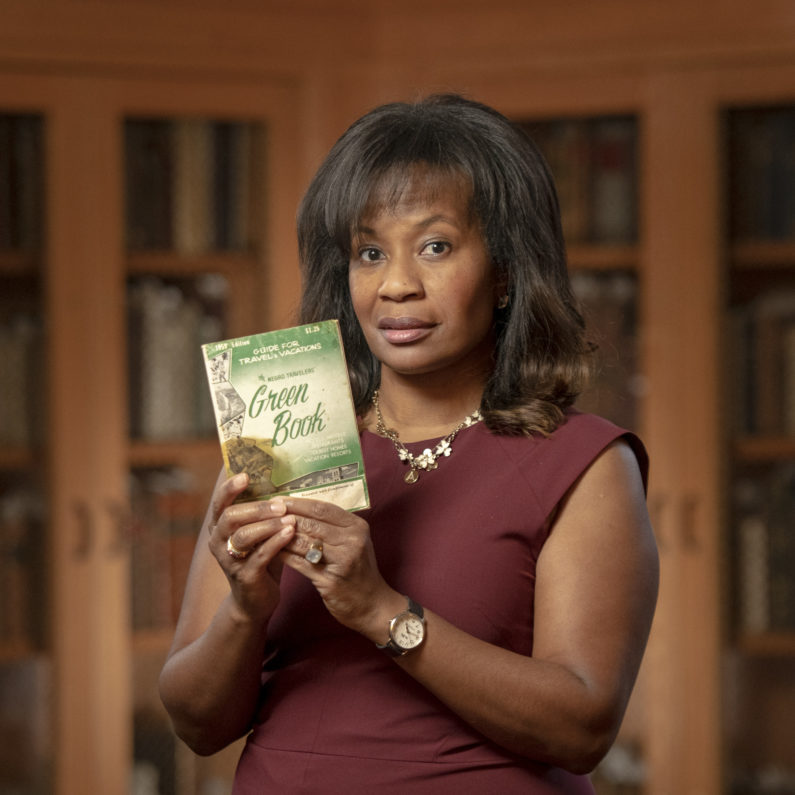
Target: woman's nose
(401,279)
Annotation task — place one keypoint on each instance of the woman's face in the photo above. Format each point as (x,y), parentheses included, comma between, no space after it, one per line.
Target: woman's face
(422,284)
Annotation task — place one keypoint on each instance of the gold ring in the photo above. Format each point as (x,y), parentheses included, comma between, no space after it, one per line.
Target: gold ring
(234,552)
(315,553)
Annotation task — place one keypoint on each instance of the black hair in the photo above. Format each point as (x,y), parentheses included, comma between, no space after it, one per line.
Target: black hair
(541,355)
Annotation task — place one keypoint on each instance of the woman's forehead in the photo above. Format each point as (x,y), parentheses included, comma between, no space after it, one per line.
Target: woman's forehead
(419,186)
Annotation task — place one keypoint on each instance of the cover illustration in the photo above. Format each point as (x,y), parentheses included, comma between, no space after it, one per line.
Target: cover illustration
(285,415)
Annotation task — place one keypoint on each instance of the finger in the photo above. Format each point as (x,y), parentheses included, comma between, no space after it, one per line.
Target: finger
(318,509)
(249,513)
(225,493)
(241,542)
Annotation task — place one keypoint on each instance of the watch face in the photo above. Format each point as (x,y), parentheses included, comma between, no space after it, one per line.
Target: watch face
(408,631)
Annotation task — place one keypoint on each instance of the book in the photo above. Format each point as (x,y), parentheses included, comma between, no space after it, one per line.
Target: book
(608,301)
(193,207)
(149,165)
(566,146)
(168,320)
(762,173)
(765,548)
(763,363)
(613,181)
(285,415)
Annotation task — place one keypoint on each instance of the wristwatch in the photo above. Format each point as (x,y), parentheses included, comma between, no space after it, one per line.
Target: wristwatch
(406,631)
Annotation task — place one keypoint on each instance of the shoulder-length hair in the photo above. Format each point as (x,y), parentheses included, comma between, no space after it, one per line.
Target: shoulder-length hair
(541,355)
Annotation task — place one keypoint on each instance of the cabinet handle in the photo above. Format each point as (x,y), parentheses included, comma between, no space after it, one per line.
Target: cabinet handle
(688,522)
(85,530)
(657,503)
(121,524)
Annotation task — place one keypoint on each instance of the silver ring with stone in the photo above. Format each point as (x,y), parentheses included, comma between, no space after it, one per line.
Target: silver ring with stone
(234,552)
(315,553)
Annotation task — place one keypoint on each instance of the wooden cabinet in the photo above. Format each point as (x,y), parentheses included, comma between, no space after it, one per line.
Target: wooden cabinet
(760,365)
(93,666)
(694,724)
(712,709)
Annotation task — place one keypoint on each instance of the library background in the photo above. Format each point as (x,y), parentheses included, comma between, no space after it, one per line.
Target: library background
(151,160)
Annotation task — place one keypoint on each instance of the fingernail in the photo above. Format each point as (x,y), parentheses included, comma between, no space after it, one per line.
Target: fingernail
(240,480)
(277,506)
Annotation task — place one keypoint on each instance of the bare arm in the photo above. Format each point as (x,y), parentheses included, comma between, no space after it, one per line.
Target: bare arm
(210,682)
(596,589)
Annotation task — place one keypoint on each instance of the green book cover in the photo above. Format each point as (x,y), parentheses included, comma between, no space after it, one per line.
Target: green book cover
(285,415)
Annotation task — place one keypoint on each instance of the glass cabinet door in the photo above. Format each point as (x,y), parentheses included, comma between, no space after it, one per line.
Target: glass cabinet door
(25,655)
(193,194)
(760,373)
(594,164)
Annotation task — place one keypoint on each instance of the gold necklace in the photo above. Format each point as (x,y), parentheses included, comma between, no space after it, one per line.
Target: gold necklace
(427,458)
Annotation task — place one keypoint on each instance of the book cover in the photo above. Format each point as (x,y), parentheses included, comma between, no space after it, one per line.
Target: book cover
(285,415)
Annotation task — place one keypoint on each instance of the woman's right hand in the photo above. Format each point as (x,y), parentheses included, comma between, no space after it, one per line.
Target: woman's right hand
(245,539)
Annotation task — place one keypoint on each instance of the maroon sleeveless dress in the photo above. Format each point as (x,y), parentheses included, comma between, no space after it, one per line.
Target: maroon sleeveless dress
(337,715)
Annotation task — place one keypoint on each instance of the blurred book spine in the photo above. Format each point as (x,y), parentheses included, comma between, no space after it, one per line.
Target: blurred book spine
(167,514)
(765,549)
(762,168)
(762,363)
(594,166)
(189,185)
(21,182)
(168,321)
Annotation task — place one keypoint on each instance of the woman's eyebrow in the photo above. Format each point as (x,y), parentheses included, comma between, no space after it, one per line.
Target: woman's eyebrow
(423,223)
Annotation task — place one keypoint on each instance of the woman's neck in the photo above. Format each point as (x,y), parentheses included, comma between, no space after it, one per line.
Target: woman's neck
(420,410)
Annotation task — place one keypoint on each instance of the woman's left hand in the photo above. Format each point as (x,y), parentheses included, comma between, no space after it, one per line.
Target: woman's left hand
(347,577)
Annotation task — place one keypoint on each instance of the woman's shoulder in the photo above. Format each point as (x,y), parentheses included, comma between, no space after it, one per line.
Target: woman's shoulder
(572,446)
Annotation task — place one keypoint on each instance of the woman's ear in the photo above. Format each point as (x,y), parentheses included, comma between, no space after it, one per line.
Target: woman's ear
(502,295)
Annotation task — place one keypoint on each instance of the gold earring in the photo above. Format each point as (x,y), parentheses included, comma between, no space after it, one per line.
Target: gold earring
(503,301)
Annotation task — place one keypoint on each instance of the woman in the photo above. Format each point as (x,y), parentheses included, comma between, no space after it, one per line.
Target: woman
(480,627)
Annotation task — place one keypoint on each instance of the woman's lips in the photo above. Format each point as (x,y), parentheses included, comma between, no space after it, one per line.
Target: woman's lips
(402,330)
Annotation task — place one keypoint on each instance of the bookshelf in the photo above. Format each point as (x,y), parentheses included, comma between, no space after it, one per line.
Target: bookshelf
(25,660)
(760,362)
(713,708)
(192,229)
(594,161)
(117,484)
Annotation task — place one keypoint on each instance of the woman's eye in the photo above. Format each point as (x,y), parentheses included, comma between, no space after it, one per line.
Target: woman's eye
(437,247)
(370,254)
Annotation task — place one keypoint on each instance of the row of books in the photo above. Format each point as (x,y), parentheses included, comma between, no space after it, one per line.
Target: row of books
(762,173)
(21,395)
(762,361)
(21,182)
(190,185)
(608,300)
(765,549)
(594,164)
(169,320)
(27,701)
(22,569)
(167,513)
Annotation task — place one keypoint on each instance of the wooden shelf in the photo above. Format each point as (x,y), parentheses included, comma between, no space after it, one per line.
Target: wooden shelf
(19,263)
(585,256)
(17,650)
(764,254)
(759,449)
(171,263)
(174,453)
(14,458)
(769,644)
